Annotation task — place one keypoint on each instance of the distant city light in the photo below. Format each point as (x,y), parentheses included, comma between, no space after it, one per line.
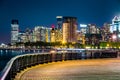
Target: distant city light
(53,26)
(87,47)
(3,45)
(59,17)
(63,42)
(114,36)
(119,35)
(83,25)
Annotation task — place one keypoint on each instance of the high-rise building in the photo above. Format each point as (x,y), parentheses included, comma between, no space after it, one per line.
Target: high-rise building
(58,29)
(83,28)
(39,33)
(26,36)
(58,35)
(14,31)
(69,29)
(115,28)
(80,37)
(59,22)
(53,34)
(22,37)
(29,35)
(93,35)
(106,28)
(93,29)
(48,34)
(105,32)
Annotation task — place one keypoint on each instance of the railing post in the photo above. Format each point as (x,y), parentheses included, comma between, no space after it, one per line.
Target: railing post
(41,57)
(21,63)
(18,65)
(25,61)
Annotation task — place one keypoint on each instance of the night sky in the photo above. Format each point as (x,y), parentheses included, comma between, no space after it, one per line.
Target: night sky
(31,13)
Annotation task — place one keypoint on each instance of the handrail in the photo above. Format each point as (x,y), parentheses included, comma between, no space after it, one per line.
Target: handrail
(21,60)
(8,66)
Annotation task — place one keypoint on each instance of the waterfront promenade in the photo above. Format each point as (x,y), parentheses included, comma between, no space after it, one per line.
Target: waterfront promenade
(91,69)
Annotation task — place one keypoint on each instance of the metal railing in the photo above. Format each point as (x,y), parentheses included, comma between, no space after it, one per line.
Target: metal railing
(21,62)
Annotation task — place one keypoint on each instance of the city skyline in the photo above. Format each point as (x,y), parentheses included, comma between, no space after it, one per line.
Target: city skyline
(44,12)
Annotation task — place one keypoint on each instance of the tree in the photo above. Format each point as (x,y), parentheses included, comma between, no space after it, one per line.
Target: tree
(103,44)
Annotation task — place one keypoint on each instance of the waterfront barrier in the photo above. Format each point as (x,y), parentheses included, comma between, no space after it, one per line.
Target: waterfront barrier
(21,62)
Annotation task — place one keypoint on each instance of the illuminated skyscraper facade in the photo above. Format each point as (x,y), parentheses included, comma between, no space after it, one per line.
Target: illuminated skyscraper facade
(59,22)
(58,29)
(29,35)
(83,28)
(69,29)
(93,35)
(105,32)
(93,29)
(53,35)
(58,35)
(115,28)
(48,34)
(80,37)
(14,31)
(22,37)
(39,33)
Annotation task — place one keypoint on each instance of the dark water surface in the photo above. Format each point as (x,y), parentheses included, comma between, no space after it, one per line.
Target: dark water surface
(6,55)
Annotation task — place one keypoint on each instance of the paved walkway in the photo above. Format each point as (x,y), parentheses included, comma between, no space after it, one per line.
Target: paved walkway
(97,69)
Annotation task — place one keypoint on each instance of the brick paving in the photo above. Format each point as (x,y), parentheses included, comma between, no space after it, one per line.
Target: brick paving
(96,69)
